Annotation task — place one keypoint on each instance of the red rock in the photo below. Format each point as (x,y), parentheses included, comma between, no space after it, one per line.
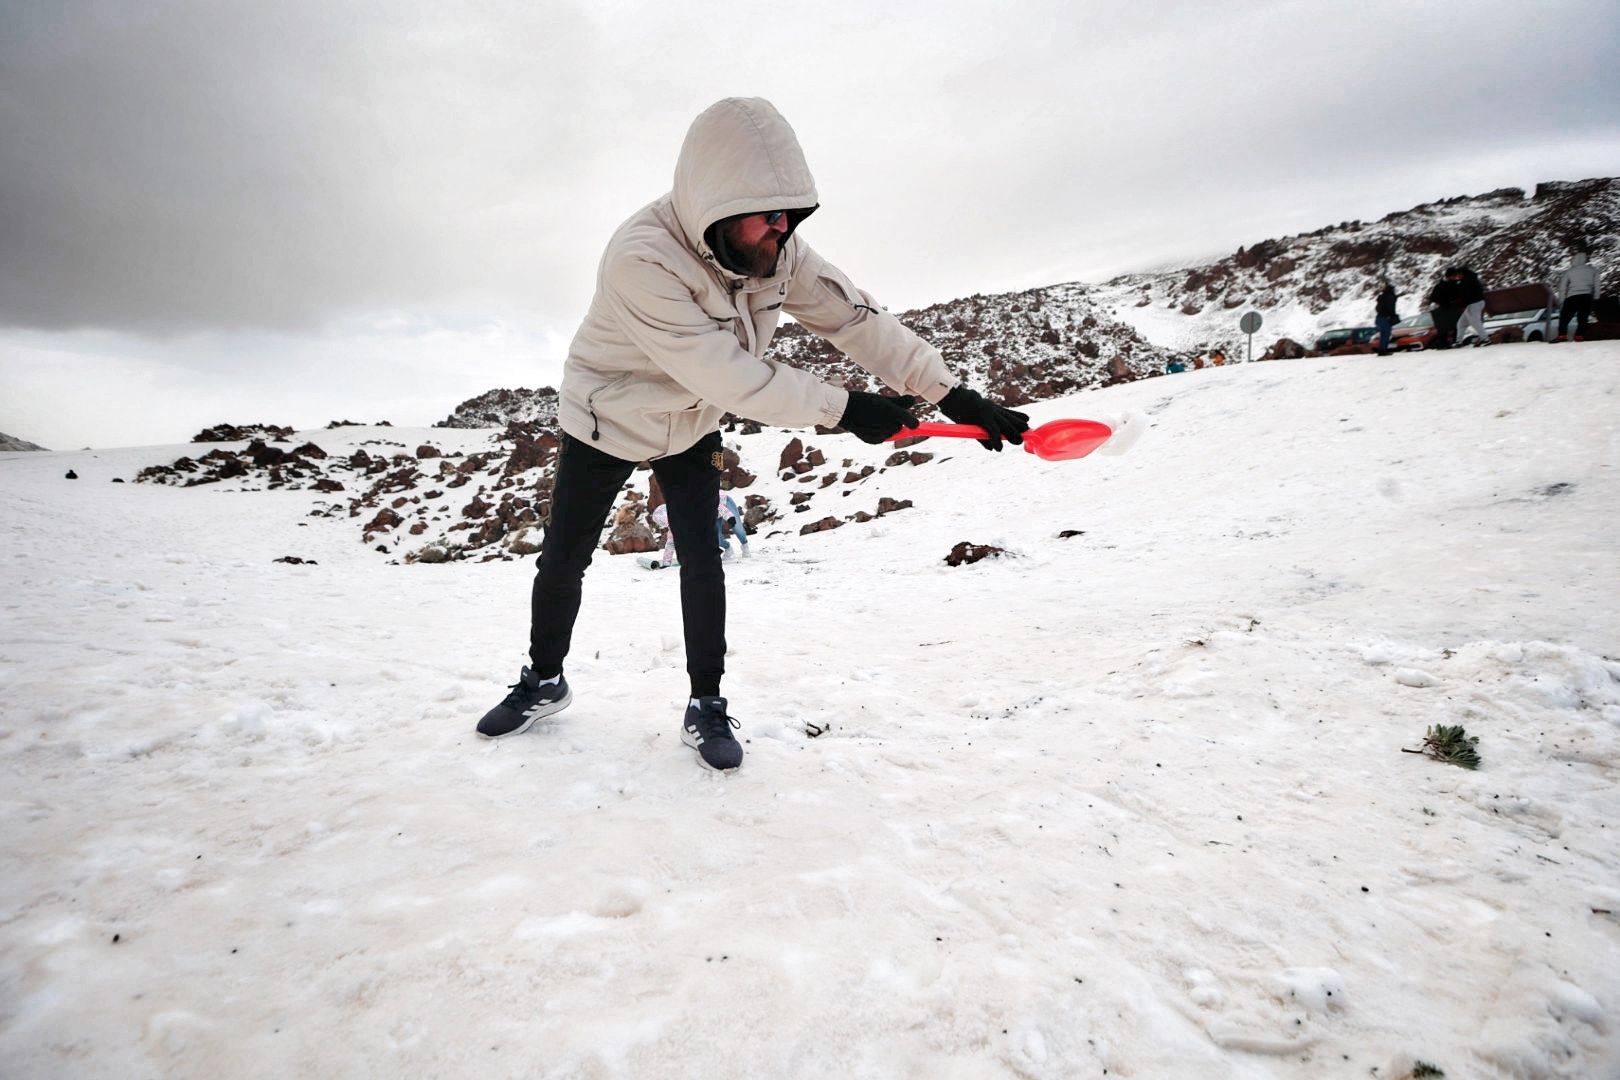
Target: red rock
(820,526)
(966,552)
(385,520)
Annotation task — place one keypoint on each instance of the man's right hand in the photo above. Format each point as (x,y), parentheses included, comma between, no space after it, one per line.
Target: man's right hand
(875,418)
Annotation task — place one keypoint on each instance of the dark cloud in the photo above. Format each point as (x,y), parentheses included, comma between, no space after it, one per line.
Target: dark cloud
(196,173)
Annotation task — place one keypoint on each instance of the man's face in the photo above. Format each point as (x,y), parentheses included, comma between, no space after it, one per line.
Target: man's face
(756,240)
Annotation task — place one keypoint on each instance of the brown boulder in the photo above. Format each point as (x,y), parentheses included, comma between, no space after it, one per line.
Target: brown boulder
(530,450)
(385,520)
(791,454)
(1284,349)
(966,552)
(820,526)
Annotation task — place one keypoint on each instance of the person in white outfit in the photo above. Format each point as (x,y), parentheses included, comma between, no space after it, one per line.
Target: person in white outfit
(1577,287)
(660,518)
(1473,316)
(729,517)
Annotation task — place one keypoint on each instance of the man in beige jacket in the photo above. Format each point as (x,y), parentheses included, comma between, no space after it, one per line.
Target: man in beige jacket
(688,295)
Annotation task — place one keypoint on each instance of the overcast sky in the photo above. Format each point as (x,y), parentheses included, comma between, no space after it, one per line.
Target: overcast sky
(293,212)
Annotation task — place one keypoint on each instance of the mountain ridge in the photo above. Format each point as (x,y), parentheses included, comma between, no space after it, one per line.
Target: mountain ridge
(1052,340)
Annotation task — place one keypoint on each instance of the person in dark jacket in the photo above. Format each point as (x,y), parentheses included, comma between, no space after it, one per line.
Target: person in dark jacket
(1446,301)
(1386,318)
(1473,313)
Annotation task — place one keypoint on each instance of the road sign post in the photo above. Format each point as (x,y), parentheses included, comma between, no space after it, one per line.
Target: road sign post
(1249,324)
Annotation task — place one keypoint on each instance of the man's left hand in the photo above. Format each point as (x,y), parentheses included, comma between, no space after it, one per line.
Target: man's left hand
(965,406)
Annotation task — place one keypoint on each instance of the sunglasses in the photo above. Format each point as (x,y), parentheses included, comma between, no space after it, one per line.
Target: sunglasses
(775,216)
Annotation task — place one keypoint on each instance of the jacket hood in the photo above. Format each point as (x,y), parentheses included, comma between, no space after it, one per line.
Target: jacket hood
(740,157)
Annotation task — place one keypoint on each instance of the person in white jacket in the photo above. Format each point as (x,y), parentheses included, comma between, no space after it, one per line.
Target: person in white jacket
(688,295)
(1577,288)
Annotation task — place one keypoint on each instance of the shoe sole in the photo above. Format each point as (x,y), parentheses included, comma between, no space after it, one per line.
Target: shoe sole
(687,739)
(550,710)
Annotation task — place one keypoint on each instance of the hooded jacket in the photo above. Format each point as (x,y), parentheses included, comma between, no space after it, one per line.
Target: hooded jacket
(1579,277)
(1386,304)
(674,340)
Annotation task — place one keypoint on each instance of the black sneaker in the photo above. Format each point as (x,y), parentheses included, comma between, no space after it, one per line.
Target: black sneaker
(707,729)
(530,700)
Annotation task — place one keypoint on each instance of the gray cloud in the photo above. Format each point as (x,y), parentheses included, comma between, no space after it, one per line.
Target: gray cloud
(189,171)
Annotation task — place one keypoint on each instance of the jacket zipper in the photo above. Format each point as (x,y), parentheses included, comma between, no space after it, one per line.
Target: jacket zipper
(590,406)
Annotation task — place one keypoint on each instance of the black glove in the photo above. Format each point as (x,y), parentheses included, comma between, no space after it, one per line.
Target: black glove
(966,406)
(874,418)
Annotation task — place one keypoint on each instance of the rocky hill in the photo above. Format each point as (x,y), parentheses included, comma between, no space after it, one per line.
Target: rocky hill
(497,408)
(1019,347)
(1304,284)
(1055,340)
(482,495)
(11,442)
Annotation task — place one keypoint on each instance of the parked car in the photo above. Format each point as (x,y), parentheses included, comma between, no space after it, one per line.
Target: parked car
(1536,324)
(1412,334)
(1528,307)
(1356,335)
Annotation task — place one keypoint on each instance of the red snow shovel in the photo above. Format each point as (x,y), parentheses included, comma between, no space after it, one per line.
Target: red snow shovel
(1055,440)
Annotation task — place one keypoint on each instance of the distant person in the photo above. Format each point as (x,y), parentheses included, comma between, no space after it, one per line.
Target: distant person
(1577,288)
(1176,366)
(727,516)
(688,297)
(660,517)
(1473,313)
(1218,357)
(1386,318)
(1446,304)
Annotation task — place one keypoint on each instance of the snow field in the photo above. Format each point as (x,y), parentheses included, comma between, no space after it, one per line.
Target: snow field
(1132,800)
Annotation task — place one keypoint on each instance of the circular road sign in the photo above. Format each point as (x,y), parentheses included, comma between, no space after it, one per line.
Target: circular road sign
(1250,322)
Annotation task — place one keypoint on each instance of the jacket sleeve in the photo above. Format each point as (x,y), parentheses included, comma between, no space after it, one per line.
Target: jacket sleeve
(657,312)
(828,304)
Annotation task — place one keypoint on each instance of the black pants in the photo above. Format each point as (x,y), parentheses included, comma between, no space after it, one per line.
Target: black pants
(1578,308)
(1445,327)
(588,481)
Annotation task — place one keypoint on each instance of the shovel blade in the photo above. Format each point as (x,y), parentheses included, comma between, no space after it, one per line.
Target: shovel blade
(1065,440)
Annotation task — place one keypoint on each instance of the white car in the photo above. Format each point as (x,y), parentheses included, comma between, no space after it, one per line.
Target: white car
(1536,324)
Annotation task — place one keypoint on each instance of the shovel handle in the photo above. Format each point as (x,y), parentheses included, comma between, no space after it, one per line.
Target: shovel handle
(946,431)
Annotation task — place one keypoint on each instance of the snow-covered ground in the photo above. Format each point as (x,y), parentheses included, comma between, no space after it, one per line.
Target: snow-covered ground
(1130,803)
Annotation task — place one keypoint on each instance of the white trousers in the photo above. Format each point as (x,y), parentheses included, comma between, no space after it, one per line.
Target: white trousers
(1473,315)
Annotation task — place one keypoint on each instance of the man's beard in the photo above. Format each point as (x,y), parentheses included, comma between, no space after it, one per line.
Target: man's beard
(757,261)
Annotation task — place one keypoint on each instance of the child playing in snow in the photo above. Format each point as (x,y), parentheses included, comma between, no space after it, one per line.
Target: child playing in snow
(727,511)
(660,518)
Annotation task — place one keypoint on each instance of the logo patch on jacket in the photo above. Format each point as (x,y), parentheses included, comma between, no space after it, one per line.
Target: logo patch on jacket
(718,458)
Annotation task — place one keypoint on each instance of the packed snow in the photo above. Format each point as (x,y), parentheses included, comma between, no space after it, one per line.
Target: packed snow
(1126,803)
